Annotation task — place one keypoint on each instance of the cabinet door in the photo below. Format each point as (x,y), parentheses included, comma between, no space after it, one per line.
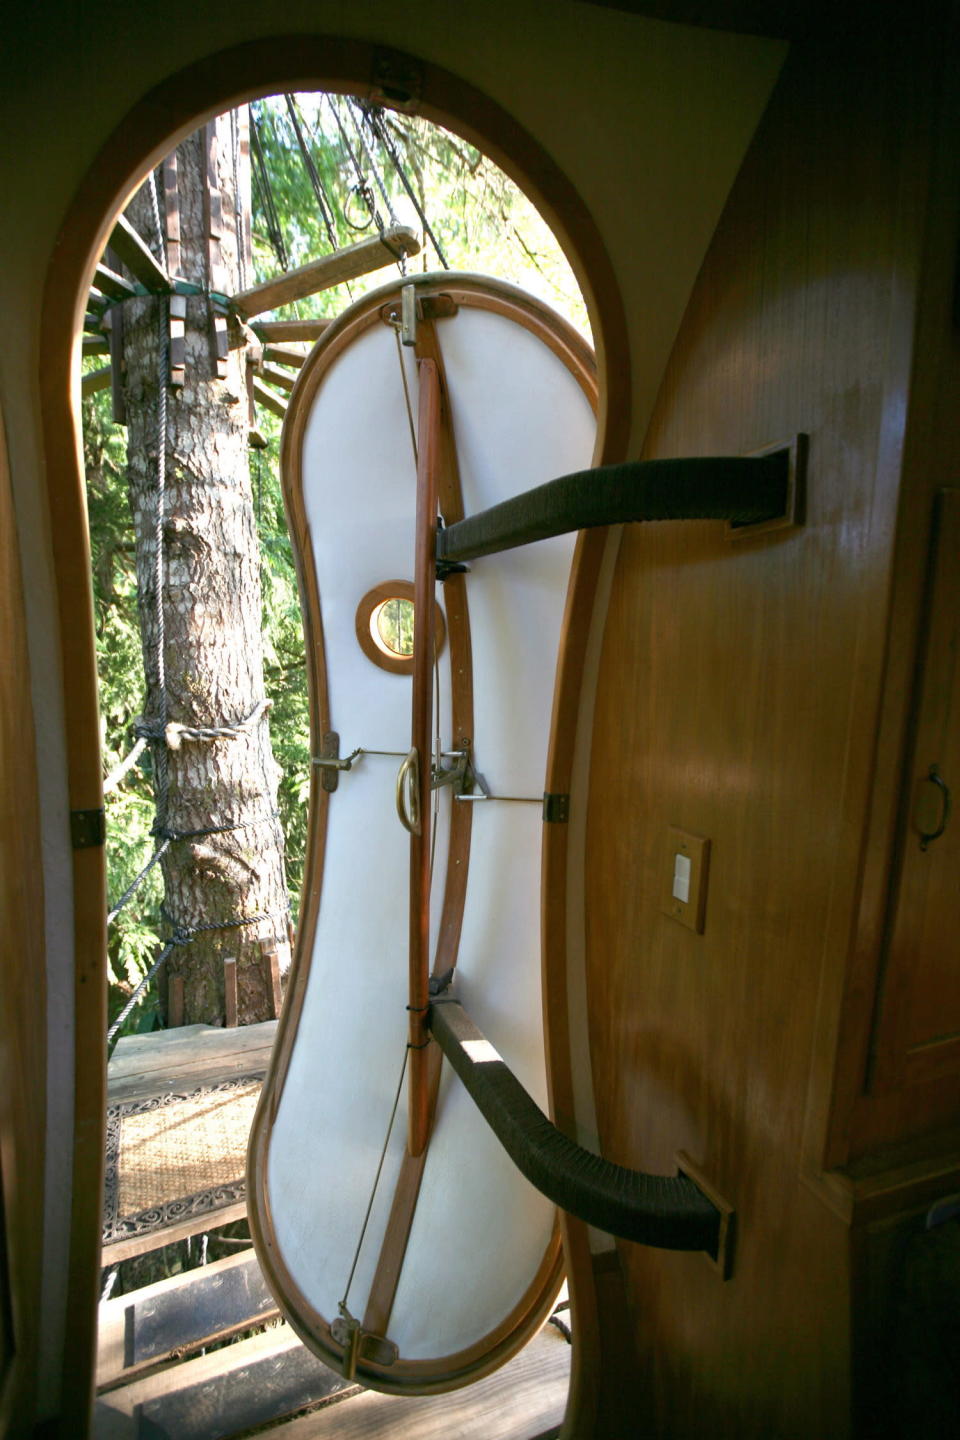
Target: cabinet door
(918,1030)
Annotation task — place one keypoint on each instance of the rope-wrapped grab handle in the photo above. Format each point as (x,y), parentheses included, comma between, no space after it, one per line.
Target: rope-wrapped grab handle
(745,489)
(665,1211)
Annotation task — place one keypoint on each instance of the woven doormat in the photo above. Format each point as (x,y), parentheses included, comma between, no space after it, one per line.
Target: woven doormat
(175,1156)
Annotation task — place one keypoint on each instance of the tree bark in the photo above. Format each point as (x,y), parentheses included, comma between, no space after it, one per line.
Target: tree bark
(216,885)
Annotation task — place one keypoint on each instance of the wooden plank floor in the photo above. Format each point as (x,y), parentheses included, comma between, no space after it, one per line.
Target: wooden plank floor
(525,1400)
(250,1383)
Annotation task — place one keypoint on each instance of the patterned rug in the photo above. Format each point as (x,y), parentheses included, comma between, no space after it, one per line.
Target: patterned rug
(176,1156)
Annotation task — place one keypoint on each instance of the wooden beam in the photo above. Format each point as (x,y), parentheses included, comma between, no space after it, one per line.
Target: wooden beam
(177,333)
(92,325)
(360,259)
(283,355)
(279,377)
(118,398)
(112,284)
(171,212)
(271,975)
(94,345)
(230,992)
(213,213)
(138,257)
(308,330)
(265,396)
(175,1002)
(96,380)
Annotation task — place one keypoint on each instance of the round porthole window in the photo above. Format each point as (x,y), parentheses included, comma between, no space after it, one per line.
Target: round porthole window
(385,626)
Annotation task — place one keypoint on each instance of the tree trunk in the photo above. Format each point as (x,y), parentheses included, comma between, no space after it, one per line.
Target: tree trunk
(224,890)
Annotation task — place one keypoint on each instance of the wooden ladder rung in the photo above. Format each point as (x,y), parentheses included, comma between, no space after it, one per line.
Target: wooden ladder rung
(143,1330)
(235,1388)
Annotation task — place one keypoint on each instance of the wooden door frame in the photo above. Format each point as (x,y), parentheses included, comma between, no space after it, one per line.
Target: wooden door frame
(154,125)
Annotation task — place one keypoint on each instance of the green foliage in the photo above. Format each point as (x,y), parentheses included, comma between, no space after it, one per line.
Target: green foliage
(134,935)
(285,670)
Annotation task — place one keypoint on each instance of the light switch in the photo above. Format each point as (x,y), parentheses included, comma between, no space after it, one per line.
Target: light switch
(684,894)
(681,878)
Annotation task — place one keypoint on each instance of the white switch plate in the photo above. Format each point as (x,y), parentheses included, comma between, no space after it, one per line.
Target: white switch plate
(685,863)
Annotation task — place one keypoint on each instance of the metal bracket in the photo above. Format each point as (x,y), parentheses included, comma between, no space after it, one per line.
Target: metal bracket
(408,315)
(396,78)
(88,828)
(358,1344)
(463,778)
(795,450)
(329,762)
(556,809)
(722,1261)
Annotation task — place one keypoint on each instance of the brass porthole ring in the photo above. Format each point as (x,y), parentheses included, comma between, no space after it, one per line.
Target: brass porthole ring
(384,626)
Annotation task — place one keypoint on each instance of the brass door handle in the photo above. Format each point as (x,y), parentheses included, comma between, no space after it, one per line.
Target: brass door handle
(935,778)
(408,793)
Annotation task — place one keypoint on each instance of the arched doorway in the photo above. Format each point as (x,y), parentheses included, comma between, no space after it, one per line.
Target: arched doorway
(168,113)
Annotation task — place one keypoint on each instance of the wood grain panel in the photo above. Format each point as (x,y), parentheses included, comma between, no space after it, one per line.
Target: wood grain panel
(22,985)
(738,699)
(919,1027)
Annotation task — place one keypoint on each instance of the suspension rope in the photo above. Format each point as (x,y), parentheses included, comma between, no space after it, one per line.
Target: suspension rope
(134,998)
(183,934)
(237,212)
(174,734)
(373,115)
(323,204)
(352,109)
(160,751)
(406,392)
(342,1306)
(112,914)
(167,836)
(362,186)
(261,179)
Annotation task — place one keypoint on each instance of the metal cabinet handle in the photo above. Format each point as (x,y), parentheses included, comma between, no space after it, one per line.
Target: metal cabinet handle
(935,778)
(408,793)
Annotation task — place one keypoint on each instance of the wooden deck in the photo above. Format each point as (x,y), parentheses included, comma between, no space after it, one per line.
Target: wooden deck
(170,1062)
(165,1061)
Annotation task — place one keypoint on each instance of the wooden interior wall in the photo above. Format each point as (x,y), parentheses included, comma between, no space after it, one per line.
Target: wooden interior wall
(22,998)
(739,693)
